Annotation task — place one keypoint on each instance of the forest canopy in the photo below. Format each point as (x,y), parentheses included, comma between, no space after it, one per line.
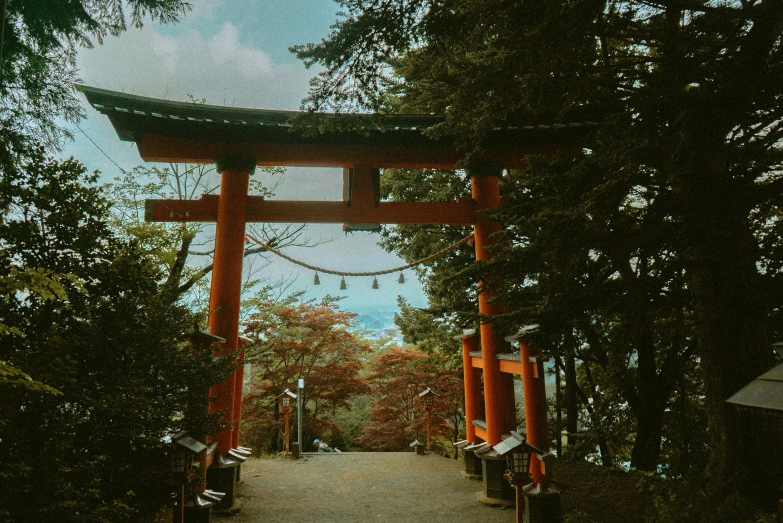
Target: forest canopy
(670,280)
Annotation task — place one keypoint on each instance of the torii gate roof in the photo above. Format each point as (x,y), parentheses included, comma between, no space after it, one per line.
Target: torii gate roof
(168,131)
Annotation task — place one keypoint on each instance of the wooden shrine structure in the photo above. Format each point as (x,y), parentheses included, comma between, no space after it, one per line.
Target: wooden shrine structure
(237,140)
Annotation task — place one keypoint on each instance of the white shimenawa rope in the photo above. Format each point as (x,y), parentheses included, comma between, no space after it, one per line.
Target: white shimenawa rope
(373,273)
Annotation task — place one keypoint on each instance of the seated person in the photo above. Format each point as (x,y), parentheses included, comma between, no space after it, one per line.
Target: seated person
(323,447)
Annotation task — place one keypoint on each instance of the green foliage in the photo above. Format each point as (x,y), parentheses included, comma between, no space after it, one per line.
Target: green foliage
(13,378)
(354,71)
(429,333)
(656,244)
(182,250)
(45,284)
(612,291)
(450,287)
(169,243)
(97,329)
(38,54)
(682,503)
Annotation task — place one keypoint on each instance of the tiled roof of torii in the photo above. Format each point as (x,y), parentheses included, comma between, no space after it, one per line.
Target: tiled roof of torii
(167,130)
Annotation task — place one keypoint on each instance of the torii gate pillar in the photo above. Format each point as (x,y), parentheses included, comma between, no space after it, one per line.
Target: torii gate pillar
(224,300)
(499,407)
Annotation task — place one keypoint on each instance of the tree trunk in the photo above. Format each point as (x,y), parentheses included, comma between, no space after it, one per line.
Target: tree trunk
(571,398)
(646,451)
(558,404)
(730,308)
(274,444)
(734,349)
(603,444)
(175,272)
(648,399)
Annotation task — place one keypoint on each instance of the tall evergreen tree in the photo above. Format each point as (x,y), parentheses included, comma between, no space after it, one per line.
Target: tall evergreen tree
(108,347)
(611,289)
(690,94)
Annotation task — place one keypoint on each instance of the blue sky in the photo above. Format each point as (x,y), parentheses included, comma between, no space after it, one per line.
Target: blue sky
(235,53)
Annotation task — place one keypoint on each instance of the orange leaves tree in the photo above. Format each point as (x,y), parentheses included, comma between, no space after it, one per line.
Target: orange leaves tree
(398,415)
(292,339)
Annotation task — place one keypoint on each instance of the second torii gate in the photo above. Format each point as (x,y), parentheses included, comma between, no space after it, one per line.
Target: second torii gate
(237,140)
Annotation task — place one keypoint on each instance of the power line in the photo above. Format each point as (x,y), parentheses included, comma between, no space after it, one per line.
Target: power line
(99,147)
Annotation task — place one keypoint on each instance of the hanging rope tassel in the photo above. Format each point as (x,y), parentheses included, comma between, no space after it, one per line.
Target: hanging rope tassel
(316,279)
(401,279)
(343,286)
(375,283)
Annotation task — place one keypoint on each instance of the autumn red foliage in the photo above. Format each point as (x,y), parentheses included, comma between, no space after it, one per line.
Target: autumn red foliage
(398,415)
(293,340)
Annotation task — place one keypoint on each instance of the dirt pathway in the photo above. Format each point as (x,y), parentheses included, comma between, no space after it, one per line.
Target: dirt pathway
(360,487)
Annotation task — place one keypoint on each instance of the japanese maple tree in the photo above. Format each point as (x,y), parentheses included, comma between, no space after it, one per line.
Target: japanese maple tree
(294,339)
(398,415)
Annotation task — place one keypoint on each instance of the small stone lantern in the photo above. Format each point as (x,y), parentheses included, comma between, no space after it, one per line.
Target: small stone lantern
(183,449)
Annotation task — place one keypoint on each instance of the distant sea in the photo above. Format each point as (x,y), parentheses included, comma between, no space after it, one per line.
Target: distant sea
(378,323)
(375,318)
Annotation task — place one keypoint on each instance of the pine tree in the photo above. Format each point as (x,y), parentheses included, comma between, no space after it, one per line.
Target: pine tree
(690,99)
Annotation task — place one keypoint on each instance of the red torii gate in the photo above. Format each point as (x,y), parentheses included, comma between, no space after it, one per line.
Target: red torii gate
(237,140)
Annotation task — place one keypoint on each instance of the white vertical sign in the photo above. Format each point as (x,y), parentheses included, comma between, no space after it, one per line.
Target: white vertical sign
(300,386)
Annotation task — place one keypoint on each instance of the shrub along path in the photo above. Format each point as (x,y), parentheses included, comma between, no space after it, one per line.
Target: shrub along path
(360,487)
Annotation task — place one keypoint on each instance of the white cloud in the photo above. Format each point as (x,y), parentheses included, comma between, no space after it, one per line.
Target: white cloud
(225,47)
(166,49)
(226,70)
(221,68)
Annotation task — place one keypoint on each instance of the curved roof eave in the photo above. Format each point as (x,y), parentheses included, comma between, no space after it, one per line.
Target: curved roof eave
(173,131)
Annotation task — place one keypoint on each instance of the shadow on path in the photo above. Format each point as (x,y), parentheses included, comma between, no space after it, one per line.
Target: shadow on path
(360,487)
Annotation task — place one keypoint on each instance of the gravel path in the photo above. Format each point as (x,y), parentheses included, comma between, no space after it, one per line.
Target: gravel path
(361,487)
